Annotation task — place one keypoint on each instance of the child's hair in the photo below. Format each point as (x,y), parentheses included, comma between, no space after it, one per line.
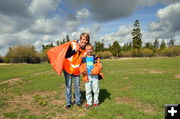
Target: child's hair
(89,45)
(86,35)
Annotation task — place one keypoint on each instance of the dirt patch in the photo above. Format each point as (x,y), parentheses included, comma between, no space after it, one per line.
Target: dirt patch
(11,81)
(119,117)
(125,78)
(156,72)
(44,72)
(55,107)
(144,107)
(127,87)
(5,64)
(177,76)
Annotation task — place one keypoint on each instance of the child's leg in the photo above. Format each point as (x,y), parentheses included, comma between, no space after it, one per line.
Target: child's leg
(95,85)
(88,87)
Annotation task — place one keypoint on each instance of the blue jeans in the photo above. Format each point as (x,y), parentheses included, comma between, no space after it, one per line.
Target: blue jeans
(68,80)
(93,84)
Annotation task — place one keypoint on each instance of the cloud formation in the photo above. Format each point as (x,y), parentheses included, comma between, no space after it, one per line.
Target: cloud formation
(38,22)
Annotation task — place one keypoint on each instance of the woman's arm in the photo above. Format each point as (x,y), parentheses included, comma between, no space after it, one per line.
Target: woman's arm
(70,52)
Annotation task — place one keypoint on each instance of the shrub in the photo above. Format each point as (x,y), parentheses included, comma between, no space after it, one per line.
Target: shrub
(22,54)
(1,59)
(126,53)
(170,52)
(105,54)
(146,52)
(136,52)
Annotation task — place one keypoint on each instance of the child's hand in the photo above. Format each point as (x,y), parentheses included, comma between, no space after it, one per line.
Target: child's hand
(84,73)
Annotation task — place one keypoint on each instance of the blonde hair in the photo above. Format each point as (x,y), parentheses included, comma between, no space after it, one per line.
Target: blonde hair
(86,35)
(89,45)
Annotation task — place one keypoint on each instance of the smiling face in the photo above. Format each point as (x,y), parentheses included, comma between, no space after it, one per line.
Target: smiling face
(89,50)
(83,41)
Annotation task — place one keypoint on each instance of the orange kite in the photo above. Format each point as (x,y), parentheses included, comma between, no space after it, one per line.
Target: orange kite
(57,55)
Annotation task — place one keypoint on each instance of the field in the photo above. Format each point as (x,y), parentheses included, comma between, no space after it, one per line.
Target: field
(132,89)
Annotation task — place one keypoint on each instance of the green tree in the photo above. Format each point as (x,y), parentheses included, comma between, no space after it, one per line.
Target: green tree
(115,48)
(67,38)
(171,43)
(99,46)
(163,45)
(156,44)
(136,35)
(127,47)
(57,43)
(149,45)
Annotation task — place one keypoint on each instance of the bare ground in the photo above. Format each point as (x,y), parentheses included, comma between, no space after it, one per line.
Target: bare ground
(143,107)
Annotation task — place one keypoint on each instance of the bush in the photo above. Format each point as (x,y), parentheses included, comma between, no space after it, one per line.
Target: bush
(105,54)
(136,52)
(22,54)
(126,53)
(170,52)
(44,56)
(1,59)
(146,52)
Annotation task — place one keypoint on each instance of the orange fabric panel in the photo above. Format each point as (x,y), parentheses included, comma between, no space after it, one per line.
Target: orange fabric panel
(57,55)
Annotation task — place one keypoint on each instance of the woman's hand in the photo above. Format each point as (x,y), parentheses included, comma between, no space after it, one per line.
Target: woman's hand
(84,73)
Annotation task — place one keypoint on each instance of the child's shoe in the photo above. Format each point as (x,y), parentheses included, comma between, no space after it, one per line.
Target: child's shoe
(96,105)
(87,106)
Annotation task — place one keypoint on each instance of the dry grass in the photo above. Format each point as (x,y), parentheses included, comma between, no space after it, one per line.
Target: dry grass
(143,107)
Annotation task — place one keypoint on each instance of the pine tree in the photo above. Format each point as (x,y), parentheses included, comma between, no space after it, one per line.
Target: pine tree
(136,35)
(171,43)
(163,45)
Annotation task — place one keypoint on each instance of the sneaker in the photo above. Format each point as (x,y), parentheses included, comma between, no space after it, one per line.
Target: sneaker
(96,105)
(68,106)
(87,106)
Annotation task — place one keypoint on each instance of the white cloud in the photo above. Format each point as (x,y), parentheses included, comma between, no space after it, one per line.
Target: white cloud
(45,26)
(123,35)
(38,22)
(43,7)
(168,23)
(83,13)
(108,10)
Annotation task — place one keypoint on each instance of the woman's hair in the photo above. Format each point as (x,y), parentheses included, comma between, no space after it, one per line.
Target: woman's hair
(86,35)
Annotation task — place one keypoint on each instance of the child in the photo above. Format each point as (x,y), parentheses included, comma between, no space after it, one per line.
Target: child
(90,68)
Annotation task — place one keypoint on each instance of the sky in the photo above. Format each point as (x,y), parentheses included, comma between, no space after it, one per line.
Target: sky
(41,22)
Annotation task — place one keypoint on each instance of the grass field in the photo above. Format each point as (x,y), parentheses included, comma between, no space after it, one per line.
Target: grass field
(132,89)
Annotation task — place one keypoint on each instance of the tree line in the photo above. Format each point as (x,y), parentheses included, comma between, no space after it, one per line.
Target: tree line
(28,54)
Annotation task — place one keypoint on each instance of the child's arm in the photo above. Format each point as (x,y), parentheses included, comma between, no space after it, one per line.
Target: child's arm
(82,69)
(97,67)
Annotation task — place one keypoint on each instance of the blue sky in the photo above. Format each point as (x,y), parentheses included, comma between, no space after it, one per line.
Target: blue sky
(37,22)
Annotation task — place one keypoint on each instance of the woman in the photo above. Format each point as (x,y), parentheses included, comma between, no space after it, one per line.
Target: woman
(71,65)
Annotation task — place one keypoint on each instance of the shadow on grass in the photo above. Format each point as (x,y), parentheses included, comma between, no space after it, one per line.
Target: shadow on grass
(103,95)
(83,96)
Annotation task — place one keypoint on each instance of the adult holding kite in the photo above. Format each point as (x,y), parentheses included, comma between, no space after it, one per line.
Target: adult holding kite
(67,57)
